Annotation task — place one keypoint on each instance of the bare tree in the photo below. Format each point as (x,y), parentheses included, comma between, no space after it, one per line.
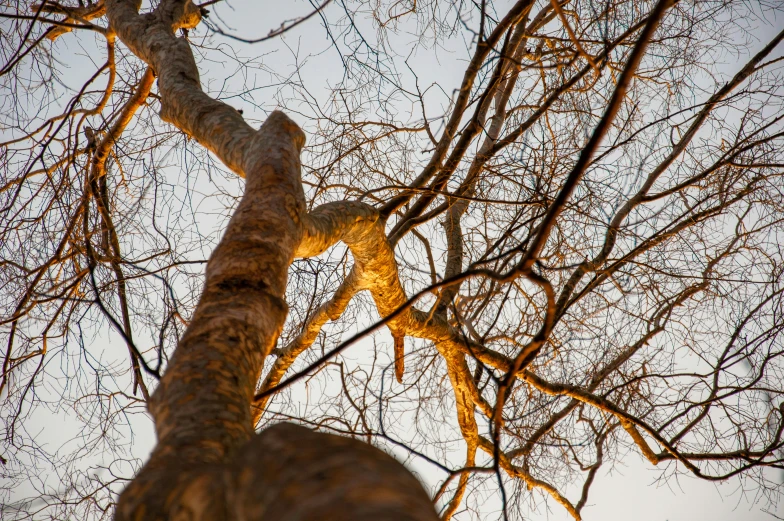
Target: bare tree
(573,256)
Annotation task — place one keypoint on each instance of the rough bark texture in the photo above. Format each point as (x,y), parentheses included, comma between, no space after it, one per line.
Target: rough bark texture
(208,463)
(245,264)
(577,234)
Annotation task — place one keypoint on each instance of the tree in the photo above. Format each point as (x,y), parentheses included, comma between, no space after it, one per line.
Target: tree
(577,259)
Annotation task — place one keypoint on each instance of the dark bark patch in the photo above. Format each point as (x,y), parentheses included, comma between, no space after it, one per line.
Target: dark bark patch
(239,284)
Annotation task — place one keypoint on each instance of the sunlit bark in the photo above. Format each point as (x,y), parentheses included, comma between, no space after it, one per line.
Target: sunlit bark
(208,464)
(584,216)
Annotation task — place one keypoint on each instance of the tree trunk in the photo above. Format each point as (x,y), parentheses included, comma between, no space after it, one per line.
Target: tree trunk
(208,463)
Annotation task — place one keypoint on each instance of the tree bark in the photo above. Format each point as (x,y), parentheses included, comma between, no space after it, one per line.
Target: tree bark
(208,463)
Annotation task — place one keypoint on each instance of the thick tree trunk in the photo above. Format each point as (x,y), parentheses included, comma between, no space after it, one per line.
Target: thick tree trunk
(208,463)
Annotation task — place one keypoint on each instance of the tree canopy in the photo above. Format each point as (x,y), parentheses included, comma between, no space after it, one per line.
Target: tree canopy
(532,239)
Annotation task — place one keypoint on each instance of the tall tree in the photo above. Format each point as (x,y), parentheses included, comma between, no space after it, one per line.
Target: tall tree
(577,258)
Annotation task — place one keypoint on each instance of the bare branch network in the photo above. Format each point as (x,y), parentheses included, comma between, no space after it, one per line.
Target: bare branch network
(515,244)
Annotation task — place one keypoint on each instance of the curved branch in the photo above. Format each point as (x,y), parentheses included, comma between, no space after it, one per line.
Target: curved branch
(215,125)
